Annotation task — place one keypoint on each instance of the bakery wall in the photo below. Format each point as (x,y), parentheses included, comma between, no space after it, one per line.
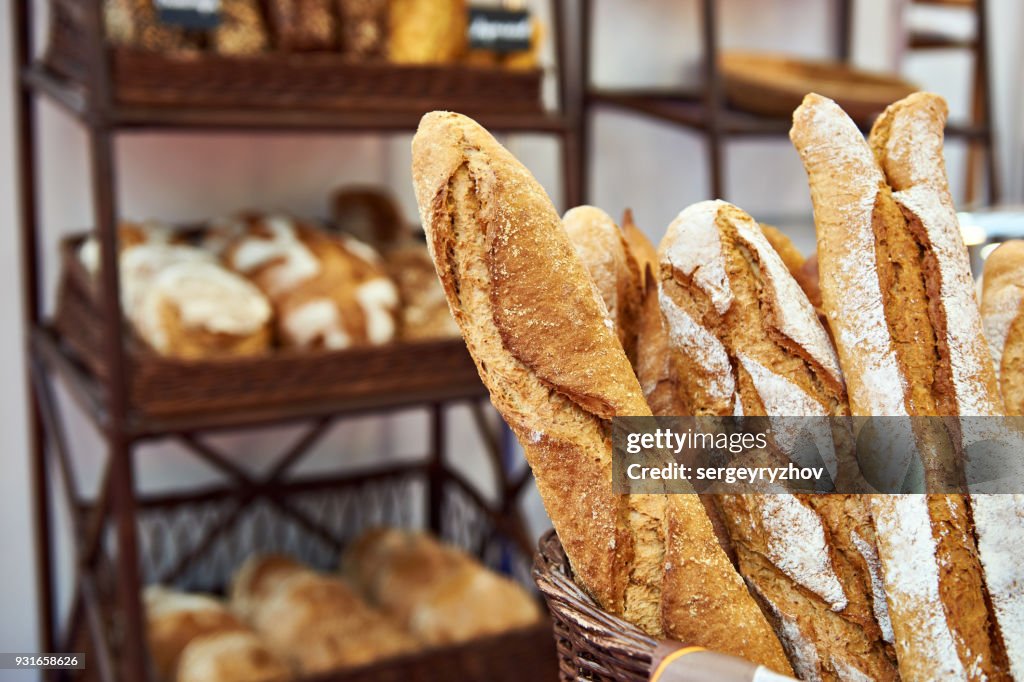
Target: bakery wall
(186,177)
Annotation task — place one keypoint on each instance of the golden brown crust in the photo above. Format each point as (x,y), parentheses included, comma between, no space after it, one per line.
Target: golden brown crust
(533,324)
(1002,297)
(643,250)
(257,578)
(724,618)
(555,371)
(602,247)
(785,247)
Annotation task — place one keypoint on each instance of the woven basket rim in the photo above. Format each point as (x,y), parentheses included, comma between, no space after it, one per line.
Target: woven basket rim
(617,640)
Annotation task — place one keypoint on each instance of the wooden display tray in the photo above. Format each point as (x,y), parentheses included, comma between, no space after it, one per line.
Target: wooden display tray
(165,387)
(775,85)
(310,81)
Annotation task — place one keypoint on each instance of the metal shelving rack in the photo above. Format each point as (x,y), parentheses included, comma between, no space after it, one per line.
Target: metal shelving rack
(115,511)
(706,112)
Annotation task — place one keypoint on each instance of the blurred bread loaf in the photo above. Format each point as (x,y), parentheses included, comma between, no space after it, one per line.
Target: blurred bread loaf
(319,624)
(257,577)
(426,31)
(536,328)
(328,291)
(302,25)
(602,248)
(184,304)
(230,656)
(898,297)
(437,592)
(425,313)
(1002,294)
(174,619)
(364,28)
(242,30)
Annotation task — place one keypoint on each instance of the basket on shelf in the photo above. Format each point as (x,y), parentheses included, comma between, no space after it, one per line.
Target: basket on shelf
(162,387)
(195,541)
(775,85)
(281,80)
(592,644)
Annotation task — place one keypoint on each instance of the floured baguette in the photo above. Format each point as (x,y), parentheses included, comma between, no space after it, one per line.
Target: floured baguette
(534,325)
(602,248)
(887,261)
(907,141)
(1002,302)
(751,344)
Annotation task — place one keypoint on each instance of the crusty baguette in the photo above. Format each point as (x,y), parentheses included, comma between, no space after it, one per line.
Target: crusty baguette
(602,248)
(534,326)
(907,142)
(1002,302)
(644,251)
(652,357)
(883,257)
(740,323)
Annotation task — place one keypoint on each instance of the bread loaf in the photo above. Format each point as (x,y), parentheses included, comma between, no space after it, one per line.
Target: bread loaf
(652,366)
(426,31)
(536,330)
(364,27)
(746,341)
(315,621)
(435,591)
(185,304)
(1002,293)
(241,30)
(328,291)
(234,656)
(892,276)
(302,25)
(602,248)
(174,619)
(256,578)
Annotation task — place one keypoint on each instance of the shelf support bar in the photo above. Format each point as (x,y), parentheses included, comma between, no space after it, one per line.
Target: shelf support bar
(26,143)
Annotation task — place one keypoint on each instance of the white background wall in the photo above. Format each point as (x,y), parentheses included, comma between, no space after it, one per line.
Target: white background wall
(648,166)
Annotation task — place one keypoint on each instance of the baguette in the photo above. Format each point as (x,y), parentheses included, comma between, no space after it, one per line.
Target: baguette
(602,248)
(751,343)
(1002,296)
(891,273)
(534,325)
(652,365)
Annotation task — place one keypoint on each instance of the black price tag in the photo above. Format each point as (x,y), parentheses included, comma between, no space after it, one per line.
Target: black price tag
(195,14)
(499,30)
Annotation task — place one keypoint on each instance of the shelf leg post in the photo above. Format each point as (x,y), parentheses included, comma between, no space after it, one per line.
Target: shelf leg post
(131,652)
(712,98)
(584,114)
(982,111)
(435,469)
(25,143)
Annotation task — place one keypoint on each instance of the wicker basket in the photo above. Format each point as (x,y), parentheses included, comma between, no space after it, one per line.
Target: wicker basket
(592,644)
(327,81)
(774,85)
(196,540)
(165,387)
